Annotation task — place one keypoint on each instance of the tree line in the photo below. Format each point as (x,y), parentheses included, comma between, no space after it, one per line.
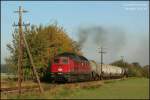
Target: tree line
(134,69)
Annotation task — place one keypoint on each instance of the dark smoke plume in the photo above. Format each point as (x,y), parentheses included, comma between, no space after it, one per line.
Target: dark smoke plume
(113,38)
(117,43)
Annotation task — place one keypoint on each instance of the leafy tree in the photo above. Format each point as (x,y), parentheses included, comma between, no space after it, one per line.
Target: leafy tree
(146,71)
(44,43)
(134,69)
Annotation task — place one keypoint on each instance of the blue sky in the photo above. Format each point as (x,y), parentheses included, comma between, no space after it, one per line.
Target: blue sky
(132,17)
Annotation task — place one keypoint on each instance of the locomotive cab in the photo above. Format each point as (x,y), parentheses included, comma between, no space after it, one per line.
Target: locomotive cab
(61,64)
(62,60)
(60,68)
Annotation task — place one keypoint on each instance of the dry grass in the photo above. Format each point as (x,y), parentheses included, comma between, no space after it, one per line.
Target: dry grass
(11,83)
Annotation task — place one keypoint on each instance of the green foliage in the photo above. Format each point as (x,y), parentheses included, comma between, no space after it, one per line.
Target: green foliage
(134,69)
(4,68)
(146,71)
(44,43)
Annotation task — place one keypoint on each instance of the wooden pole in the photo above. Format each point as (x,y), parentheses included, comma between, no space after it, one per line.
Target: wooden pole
(101,52)
(20,65)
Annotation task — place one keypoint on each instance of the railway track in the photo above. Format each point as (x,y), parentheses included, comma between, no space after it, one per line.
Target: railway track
(77,85)
(53,86)
(49,87)
(15,89)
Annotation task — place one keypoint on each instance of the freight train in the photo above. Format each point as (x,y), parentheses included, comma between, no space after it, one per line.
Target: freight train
(69,67)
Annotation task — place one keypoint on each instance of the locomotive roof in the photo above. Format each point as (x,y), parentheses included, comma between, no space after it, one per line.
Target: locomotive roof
(73,56)
(83,58)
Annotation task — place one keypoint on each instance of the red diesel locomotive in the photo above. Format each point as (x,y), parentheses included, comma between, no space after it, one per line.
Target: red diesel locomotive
(70,67)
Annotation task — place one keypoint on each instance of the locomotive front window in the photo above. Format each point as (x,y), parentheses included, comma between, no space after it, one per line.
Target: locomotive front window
(64,61)
(56,60)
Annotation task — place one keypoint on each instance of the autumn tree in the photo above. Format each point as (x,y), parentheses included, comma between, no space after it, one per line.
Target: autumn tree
(44,43)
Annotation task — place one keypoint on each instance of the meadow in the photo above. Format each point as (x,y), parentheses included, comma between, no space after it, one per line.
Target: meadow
(129,88)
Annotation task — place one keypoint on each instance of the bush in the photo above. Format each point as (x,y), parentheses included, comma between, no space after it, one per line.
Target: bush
(134,69)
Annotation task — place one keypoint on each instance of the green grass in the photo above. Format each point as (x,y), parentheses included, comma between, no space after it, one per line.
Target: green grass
(124,89)
(131,88)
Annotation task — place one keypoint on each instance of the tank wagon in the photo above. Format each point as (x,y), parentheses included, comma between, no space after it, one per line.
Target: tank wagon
(71,67)
(106,71)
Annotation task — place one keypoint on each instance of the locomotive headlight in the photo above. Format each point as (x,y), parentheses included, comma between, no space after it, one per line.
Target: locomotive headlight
(60,69)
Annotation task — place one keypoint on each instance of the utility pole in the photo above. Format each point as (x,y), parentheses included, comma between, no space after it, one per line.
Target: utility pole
(22,40)
(20,48)
(101,52)
(122,58)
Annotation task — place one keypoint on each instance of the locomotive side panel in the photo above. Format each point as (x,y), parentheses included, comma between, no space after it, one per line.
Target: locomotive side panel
(71,67)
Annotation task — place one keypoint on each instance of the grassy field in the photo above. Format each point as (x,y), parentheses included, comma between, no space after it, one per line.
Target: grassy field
(131,88)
